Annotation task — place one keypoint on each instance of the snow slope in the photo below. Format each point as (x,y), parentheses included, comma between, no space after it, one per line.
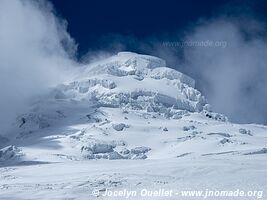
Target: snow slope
(129,122)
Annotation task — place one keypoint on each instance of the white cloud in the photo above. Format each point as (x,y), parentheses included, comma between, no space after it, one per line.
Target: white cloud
(233,78)
(35,52)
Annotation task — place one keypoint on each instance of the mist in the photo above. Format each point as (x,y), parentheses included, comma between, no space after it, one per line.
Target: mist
(36,52)
(232,71)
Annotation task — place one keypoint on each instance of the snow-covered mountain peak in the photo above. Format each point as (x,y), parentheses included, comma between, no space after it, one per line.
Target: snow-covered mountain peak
(133,81)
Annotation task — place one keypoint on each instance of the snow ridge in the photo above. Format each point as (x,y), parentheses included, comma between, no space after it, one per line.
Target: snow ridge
(134,81)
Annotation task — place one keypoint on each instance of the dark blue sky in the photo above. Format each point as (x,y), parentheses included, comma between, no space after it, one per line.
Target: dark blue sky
(95,24)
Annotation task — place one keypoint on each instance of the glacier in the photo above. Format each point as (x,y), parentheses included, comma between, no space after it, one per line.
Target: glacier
(128,121)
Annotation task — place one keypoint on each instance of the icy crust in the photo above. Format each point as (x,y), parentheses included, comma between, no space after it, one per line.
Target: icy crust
(127,63)
(171,74)
(134,81)
(138,99)
(113,151)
